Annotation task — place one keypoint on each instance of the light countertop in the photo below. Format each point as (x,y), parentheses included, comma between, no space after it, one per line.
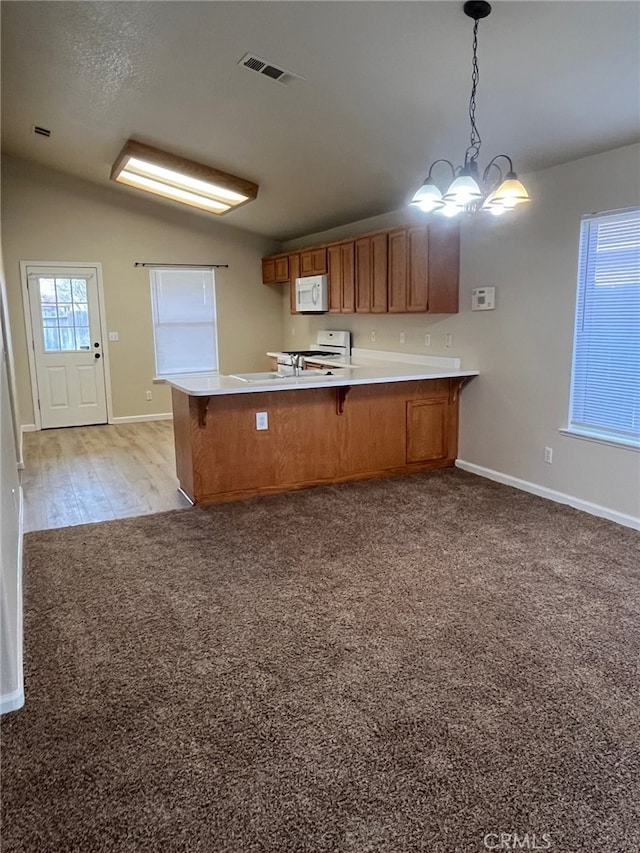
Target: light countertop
(363,367)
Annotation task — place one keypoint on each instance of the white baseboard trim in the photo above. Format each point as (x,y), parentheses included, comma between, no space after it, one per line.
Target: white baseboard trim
(551,494)
(28,428)
(14,700)
(131,419)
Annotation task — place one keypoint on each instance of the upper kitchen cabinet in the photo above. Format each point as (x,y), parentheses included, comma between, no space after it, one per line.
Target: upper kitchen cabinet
(313,262)
(424,269)
(341,260)
(275,269)
(371,257)
(444,268)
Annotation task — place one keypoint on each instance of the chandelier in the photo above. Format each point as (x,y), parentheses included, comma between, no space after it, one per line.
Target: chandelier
(499,189)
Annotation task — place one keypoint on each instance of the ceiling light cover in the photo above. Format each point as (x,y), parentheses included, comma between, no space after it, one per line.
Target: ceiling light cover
(468,193)
(171,176)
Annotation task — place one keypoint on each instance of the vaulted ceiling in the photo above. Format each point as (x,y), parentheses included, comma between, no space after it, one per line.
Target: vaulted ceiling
(385,91)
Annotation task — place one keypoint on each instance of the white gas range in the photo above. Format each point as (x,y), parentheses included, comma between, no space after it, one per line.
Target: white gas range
(327,345)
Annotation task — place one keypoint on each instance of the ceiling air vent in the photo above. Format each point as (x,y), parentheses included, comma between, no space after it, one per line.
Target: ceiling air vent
(268,69)
(41,131)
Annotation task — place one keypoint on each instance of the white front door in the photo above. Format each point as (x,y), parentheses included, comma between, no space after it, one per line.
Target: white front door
(67,345)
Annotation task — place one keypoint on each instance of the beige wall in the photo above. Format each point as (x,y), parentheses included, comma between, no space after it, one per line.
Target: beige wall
(523,349)
(49,216)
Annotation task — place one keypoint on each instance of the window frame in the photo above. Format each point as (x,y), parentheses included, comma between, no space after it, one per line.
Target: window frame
(585,273)
(155,280)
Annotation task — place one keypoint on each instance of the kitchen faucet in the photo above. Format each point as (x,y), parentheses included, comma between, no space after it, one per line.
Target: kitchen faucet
(296,358)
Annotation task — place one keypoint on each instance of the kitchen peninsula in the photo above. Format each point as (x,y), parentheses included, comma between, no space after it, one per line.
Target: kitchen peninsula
(368,415)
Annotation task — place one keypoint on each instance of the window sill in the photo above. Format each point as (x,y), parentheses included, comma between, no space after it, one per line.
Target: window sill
(159,380)
(601,439)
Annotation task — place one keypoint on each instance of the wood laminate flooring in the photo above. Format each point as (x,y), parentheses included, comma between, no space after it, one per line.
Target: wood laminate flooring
(97,473)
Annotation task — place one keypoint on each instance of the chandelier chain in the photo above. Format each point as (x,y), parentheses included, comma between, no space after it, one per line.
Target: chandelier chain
(473,150)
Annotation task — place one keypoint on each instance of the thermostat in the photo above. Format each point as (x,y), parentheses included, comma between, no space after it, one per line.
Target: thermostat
(483,299)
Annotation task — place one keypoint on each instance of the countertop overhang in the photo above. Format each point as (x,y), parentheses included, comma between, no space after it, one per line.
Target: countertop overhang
(364,367)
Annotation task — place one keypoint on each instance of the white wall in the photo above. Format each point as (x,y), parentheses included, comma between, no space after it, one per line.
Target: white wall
(11,685)
(523,349)
(50,216)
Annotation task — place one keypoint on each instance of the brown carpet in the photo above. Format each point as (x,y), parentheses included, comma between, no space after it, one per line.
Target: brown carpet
(415,664)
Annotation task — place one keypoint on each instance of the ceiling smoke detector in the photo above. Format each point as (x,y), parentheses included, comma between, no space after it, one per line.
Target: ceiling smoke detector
(268,69)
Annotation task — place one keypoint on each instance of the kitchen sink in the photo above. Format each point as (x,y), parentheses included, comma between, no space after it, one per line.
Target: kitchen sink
(307,375)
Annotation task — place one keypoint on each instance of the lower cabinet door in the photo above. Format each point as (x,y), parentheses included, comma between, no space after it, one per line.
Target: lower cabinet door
(427,430)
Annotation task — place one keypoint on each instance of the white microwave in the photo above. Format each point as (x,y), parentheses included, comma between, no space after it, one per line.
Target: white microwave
(312,294)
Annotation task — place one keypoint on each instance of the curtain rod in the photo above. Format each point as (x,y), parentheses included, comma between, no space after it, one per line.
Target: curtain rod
(190,266)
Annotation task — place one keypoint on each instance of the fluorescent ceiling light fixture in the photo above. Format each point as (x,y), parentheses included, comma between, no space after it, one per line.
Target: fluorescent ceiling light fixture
(176,178)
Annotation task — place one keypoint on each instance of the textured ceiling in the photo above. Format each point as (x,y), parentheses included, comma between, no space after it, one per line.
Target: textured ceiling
(386,91)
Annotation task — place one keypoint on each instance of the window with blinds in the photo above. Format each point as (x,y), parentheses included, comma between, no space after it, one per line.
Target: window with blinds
(605,379)
(184,321)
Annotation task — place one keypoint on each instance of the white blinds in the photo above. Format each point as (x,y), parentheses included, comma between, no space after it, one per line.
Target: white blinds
(184,321)
(605,383)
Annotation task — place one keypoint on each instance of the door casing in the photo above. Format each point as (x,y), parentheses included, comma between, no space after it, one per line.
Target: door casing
(29,328)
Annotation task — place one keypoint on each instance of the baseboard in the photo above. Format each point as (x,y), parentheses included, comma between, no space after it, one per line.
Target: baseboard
(28,428)
(550,494)
(14,700)
(131,419)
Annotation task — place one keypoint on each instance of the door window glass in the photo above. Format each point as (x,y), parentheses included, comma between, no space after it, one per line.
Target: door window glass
(64,314)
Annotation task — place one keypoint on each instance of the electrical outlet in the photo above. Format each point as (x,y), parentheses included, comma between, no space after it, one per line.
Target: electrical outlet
(548,455)
(372,335)
(448,339)
(114,336)
(427,340)
(262,420)
(149,395)
(402,337)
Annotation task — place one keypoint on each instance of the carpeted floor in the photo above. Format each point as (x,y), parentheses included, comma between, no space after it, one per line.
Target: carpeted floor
(415,664)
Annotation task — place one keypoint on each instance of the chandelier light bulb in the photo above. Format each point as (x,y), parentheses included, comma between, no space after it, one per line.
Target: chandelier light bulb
(463,190)
(449,209)
(428,197)
(510,192)
(494,209)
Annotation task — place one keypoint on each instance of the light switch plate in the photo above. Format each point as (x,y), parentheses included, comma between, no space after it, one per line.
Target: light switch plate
(483,299)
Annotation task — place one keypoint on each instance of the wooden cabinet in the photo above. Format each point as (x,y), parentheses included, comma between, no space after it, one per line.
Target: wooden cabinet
(275,269)
(371,259)
(444,268)
(315,436)
(409,269)
(424,269)
(341,262)
(398,266)
(294,271)
(313,262)
(427,429)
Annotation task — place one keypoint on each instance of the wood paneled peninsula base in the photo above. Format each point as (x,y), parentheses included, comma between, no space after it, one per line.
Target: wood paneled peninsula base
(315,436)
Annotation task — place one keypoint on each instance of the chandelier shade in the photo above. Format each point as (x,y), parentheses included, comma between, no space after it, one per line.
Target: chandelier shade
(496,191)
